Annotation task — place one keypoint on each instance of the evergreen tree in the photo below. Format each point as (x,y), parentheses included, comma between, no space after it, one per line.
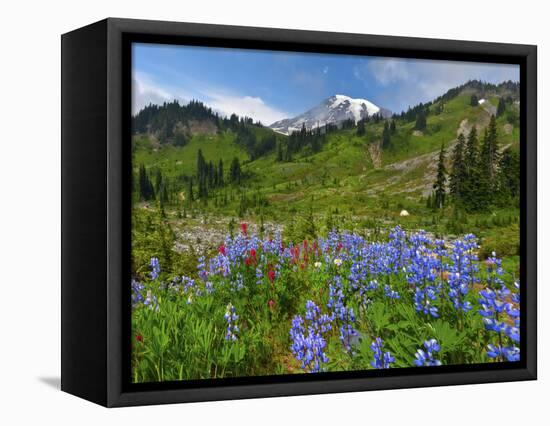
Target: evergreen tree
(180,139)
(201,164)
(158,180)
(361,128)
(220,173)
(279,151)
(471,152)
(392,127)
(235,171)
(386,137)
(470,188)
(190,195)
(501,107)
(487,168)
(420,120)
(440,181)
(210,172)
(288,153)
(458,172)
(509,176)
(429,202)
(489,152)
(474,101)
(146,190)
(203,190)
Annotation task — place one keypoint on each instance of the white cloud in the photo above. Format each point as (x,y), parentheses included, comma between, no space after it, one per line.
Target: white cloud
(385,71)
(410,81)
(248,106)
(145,91)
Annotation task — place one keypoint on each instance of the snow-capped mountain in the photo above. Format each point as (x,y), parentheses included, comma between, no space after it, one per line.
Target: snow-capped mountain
(332,110)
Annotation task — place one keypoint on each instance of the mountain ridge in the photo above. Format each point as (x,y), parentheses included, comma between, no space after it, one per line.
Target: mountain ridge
(333,111)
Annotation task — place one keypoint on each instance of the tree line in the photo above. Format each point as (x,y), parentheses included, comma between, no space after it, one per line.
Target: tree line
(480,175)
(168,121)
(210,175)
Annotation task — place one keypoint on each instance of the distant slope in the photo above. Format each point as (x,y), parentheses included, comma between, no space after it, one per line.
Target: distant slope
(182,161)
(352,170)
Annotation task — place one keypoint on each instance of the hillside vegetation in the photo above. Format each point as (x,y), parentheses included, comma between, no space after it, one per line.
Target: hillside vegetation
(387,242)
(353,175)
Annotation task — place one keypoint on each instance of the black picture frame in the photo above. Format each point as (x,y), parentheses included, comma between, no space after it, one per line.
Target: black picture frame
(96,79)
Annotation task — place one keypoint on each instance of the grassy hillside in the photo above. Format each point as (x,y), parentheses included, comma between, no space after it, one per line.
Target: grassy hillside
(175,161)
(352,182)
(234,275)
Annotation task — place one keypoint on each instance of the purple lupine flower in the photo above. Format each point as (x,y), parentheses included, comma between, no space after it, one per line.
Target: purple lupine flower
(497,314)
(342,314)
(493,307)
(389,293)
(494,271)
(461,271)
(201,267)
(381,359)
(423,299)
(154,265)
(510,353)
(426,356)
(137,295)
(308,343)
(151,301)
(231,317)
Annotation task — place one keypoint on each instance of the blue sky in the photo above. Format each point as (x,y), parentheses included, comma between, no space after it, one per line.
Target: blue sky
(269,86)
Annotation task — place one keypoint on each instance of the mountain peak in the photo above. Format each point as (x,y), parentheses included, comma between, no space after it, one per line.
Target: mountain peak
(332,110)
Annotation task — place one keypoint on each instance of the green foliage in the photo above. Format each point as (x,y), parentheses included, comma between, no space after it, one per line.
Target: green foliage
(501,107)
(248,172)
(361,128)
(152,236)
(439,185)
(235,173)
(145,187)
(484,178)
(505,242)
(386,136)
(459,171)
(509,178)
(420,123)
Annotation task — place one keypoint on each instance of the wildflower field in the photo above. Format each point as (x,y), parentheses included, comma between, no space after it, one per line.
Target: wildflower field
(338,239)
(266,306)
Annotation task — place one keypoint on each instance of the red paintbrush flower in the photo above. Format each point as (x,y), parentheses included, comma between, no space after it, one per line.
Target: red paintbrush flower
(271,303)
(222,250)
(271,275)
(244,227)
(139,338)
(295,254)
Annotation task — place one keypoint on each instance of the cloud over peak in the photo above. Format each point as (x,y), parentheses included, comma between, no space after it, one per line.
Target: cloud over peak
(146,91)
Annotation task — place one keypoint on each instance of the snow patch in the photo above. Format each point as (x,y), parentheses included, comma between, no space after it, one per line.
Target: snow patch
(356,106)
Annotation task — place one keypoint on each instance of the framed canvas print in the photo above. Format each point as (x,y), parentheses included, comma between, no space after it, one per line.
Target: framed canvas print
(255,212)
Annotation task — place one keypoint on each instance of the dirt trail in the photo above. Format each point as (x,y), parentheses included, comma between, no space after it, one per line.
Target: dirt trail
(374,152)
(428,161)
(489,108)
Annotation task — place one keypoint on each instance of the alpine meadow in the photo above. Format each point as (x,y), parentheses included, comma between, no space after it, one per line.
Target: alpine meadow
(368,224)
